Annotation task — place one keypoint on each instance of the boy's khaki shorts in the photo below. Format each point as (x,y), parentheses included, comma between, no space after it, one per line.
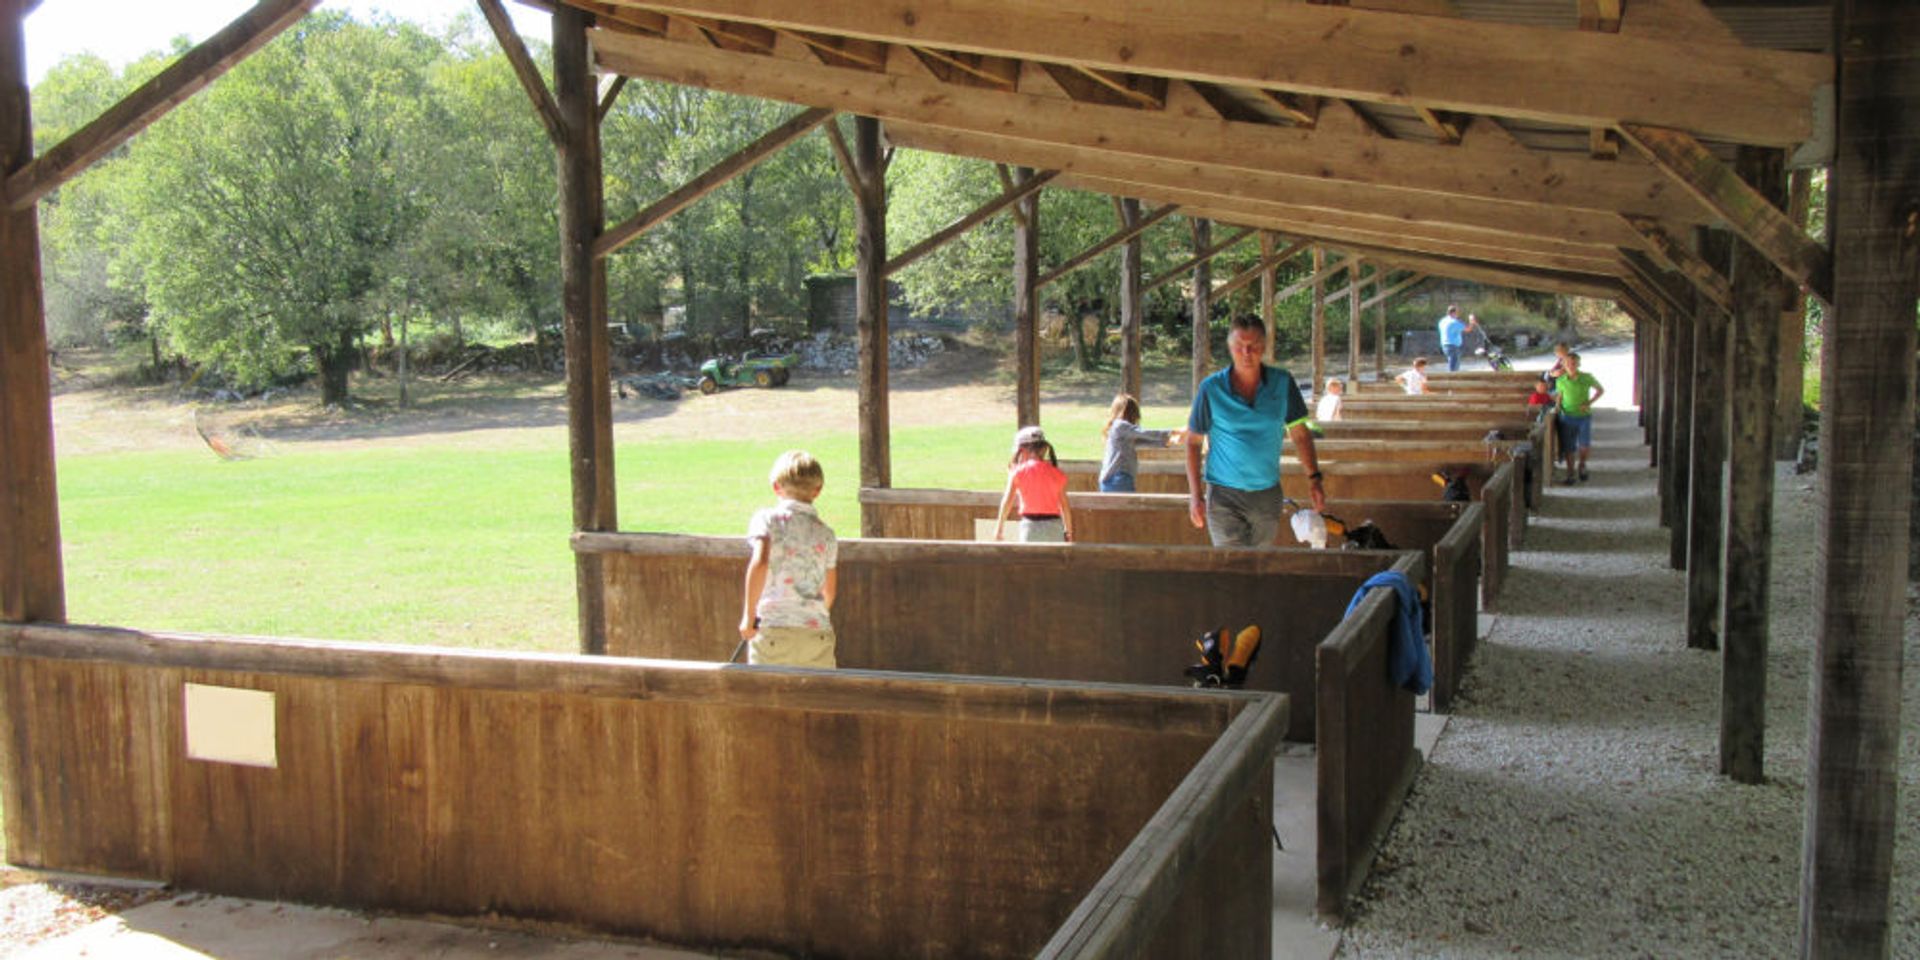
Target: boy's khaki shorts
(792,647)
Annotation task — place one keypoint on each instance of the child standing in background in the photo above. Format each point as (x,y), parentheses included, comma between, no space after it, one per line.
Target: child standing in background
(1123,436)
(1415,379)
(1034,476)
(1330,402)
(791,578)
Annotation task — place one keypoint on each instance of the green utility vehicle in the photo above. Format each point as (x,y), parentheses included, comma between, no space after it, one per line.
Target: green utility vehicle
(757,371)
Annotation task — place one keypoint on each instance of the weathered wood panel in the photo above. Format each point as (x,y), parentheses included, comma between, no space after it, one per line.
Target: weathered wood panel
(834,814)
(1066,612)
(1450,534)
(1361,714)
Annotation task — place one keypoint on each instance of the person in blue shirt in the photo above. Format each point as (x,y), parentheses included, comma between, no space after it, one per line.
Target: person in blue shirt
(1243,411)
(1453,335)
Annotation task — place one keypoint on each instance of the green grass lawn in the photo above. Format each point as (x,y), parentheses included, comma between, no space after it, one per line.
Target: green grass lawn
(434,542)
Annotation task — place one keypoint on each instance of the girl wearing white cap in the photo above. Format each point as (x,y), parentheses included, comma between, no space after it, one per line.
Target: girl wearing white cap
(1035,478)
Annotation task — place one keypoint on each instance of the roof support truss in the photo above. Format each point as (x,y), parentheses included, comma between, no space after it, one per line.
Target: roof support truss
(151,100)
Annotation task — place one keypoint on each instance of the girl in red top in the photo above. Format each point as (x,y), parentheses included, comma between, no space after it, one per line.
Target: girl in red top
(1034,476)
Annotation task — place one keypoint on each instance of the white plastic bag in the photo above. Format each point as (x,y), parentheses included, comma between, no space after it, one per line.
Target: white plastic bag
(1310,528)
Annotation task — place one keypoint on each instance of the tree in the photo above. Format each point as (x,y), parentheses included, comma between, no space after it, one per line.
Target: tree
(270,205)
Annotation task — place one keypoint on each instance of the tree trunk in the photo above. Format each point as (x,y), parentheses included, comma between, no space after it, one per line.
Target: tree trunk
(335,361)
(1077,332)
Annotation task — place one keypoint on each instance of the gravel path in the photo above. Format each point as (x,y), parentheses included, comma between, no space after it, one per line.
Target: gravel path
(1573,807)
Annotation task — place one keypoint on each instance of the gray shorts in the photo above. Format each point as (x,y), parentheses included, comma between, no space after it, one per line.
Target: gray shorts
(1050,530)
(1243,518)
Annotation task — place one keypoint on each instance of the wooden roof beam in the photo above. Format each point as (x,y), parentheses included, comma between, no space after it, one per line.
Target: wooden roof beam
(1546,281)
(1721,190)
(1088,85)
(1672,289)
(742,160)
(980,215)
(860,54)
(1403,285)
(1112,240)
(153,99)
(1384,206)
(1510,175)
(1430,239)
(1584,78)
(1710,281)
(1303,111)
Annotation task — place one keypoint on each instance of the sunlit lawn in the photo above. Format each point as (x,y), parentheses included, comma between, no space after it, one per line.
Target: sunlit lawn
(431,542)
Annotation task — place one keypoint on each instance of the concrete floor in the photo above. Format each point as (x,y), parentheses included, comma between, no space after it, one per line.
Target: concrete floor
(195,926)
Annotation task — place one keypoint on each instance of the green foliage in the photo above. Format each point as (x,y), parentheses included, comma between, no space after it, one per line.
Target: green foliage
(270,207)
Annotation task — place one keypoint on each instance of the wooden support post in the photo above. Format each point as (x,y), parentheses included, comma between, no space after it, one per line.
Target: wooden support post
(870,297)
(1790,422)
(1026,301)
(1706,510)
(1866,457)
(32,583)
(1760,295)
(583,295)
(1184,269)
(1202,302)
(1656,381)
(1379,327)
(1680,443)
(1354,322)
(1320,322)
(525,71)
(1131,306)
(1268,280)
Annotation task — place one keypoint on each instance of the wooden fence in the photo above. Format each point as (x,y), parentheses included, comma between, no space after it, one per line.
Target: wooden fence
(809,813)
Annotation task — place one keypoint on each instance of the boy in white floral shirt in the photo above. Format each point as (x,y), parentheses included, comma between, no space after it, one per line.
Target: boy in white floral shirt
(791,578)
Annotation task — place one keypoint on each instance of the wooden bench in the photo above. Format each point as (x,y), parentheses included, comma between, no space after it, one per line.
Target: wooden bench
(1450,534)
(806,813)
(1077,612)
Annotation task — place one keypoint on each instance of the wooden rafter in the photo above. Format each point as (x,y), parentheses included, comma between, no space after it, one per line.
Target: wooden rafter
(1602,144)
(1112,240)
(952,67)
(1012,195)
(1583,78)
(1721,190)
(1224,104)
(842,51)
(1325,271)
(1709,280)
(1366,120)
(1355,228)
(1310,197)
(1105,87)
(740,162)
(1318,155)
(1671,289)
(612,15)
(1446,128)
(152,99)
(740,37)
(525,70)
(1509,275)
(1201,256)
(1303,111)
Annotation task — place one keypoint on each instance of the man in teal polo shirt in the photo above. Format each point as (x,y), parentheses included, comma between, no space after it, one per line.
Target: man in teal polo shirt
(1243,411)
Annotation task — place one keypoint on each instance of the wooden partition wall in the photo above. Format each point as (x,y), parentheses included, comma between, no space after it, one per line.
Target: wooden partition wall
(806,813)
(1082,612)
(1448,533)
(1355,781)
(1496,486)
(1086,612)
